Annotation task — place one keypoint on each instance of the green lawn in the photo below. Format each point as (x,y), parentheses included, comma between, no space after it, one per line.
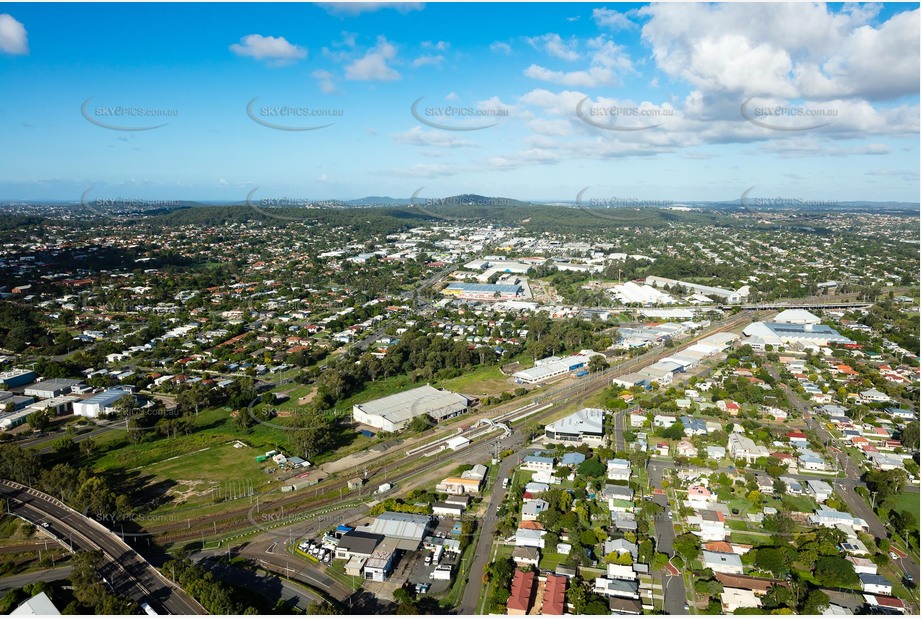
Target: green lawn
(489,380)
(801,504)
(551,560)
(905,502)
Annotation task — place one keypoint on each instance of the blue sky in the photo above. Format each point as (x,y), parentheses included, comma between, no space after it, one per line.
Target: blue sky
(632,100)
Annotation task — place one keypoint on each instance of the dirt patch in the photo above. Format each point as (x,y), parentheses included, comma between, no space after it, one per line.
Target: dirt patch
(185,490)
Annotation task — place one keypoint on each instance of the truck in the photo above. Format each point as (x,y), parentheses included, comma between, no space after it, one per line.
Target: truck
(148,609)
(384,488)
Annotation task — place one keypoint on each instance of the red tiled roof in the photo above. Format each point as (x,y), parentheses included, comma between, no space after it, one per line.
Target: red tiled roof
(522,587)
(719,546)
(554,596)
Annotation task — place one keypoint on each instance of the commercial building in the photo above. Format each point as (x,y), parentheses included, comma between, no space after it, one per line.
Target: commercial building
(17,377)
(100,403)
(55,387)
(761,334)
(484,291)
(401,530)
(394,413)
(723,294)
(584,427)
(553,367)
(380,564)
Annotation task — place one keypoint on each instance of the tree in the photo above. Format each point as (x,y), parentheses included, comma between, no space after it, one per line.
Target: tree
(909,435)
(835,571)
(688,546)
(816,602)
(886,483)
(597,363)
(772,559)
(421,423)
(315,434)
(675,432)
(39,420)
(778,596)
(592,468)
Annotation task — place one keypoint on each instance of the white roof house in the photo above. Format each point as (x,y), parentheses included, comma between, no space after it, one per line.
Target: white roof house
(723,563)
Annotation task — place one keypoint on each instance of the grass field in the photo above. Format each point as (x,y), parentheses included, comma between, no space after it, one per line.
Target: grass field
(905,502)
(484,380)
(801,504)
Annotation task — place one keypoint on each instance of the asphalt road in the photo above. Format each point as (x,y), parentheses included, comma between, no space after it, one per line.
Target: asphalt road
(674,593)
(487,524)
(24,579)
(270,586)
(128,573)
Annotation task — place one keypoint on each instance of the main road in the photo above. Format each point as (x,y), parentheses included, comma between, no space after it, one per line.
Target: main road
(127,572)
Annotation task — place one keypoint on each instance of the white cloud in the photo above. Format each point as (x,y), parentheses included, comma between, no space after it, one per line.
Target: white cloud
(500,47)
(358,8)
(607,62)
(451,96)
(794,50)
(437,45)
(420,137)
(276,50)
(13,36)
(422,61)
(555,46)
(424,170)
(595,76)
(373,65)
(324,81)
(608,18)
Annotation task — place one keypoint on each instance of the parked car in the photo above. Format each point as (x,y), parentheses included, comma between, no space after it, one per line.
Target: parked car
(893,555)
(428,560)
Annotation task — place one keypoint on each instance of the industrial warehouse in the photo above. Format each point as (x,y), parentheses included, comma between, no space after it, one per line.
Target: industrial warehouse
(394,412)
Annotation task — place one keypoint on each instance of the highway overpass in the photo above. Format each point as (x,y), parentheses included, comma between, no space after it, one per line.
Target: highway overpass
(127,572)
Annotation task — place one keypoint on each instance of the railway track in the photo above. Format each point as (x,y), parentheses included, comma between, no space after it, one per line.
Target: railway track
(387,467)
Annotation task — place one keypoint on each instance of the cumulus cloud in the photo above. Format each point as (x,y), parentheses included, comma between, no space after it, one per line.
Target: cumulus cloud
(609,18)
(373,65)
(324,81)
(276,50)
(554,45)
(787,50)
(422,61)
(13,36)
(608,61)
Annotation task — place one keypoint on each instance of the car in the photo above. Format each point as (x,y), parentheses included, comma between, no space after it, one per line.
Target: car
(428,560)
(686,607)
(893,555)
(44,524)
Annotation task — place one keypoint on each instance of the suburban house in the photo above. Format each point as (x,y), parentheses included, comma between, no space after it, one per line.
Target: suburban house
(740,447)
(618,470)
(723,563)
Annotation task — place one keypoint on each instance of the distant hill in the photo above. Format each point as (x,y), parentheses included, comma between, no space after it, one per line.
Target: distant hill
(376,200)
